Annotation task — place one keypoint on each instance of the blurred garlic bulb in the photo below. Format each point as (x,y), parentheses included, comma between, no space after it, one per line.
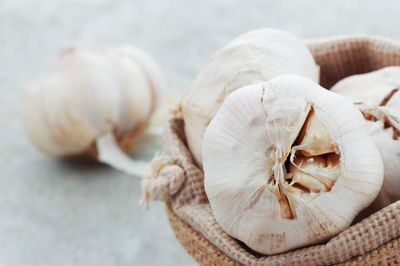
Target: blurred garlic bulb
(251,58)
(377,96)
(284,167)
(87,102)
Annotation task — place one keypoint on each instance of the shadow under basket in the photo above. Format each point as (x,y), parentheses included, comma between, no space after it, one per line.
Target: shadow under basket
(374,240)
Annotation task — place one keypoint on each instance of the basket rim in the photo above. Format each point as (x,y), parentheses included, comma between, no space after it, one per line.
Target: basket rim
(352,38)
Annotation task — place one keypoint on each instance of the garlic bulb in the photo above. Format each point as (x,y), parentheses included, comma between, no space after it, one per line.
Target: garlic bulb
(377,96)
(251,58)
(87,100)
(288,164)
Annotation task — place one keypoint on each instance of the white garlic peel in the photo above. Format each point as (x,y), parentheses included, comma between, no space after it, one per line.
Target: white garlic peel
(251,58)
(377,95)
(86,95)
(268,184)
(370,88)
(155,77)
(389,149)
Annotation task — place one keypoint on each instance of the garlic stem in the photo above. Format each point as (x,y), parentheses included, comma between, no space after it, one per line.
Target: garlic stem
(111,154)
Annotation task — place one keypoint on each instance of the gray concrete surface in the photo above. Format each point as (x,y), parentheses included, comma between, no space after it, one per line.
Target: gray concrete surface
(69,213)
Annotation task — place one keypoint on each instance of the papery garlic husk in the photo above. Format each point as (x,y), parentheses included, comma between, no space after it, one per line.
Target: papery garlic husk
(251,58)
(369,88)
(389,149)
(269,184)
(377,95)
(89,100)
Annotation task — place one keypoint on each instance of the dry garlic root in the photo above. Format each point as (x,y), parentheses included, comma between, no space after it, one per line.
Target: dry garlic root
(251,58)
(377,96)
(87,102)
(288,164)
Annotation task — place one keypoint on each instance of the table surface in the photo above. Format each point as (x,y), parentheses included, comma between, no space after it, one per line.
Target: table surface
(57,212)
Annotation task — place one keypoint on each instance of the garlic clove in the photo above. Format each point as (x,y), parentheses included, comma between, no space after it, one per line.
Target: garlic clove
(316,174)
(263,195)
(152,71)
(85,95)
(251,58)
(161,102)
(314,138)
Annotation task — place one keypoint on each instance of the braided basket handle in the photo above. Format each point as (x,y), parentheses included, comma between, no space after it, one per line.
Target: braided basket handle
(165,180)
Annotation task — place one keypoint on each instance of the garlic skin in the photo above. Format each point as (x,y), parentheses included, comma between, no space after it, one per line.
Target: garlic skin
(152,71)
(370,88)
(251,58)
(269,184)
(389,149)
(377,96)
(86,99)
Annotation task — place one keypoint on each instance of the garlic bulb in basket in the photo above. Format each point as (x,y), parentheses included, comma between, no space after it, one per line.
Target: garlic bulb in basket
(251,58)
(377,96)
(87,102)
(288,164)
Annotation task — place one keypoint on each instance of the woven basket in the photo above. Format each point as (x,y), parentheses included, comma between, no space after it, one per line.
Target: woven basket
(374,240)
